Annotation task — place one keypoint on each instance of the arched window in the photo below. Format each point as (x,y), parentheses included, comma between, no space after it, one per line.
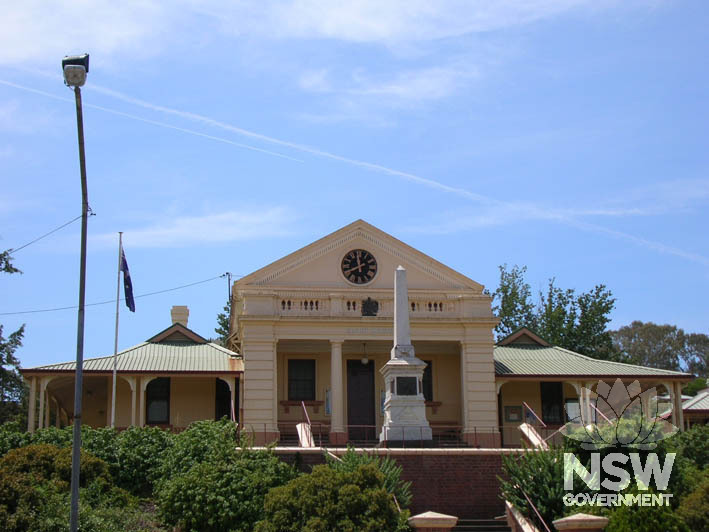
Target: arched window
(157,401)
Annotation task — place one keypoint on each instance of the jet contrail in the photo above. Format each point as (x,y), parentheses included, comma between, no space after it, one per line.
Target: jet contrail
(532,210)
(153,122)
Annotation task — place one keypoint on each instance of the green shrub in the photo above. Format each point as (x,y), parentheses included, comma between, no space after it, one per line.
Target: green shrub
(213,441)
(53,436)
(351,460)
(18,497)
(91,468)
(634,517)
(48,511)
(694,508)
(327,500)
(215,496)
(140,452)
(37,460)
(692,445)
(47,463)
(102,443)
(34,488)
(12,436)
(539,474)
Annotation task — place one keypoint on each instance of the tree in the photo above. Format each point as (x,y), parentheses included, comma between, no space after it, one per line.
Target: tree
(514,306)
(563,318)
(223,324)
(696,354)
(693,387)
(662,346)
(6,262)
(12,388)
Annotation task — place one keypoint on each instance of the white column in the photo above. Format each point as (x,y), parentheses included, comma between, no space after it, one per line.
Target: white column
(232,389)
(670,387)
(133,397)
(57,413)
(143,384)
(680,412)
(590,412)
(31,425)
(583,404)
(46,411)
(42,389)
(463,388)
(337,414)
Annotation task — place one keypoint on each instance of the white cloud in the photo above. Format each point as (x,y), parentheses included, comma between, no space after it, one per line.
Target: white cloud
(229,226)
(315,80)
(391,21)
(43,32)
(361,96)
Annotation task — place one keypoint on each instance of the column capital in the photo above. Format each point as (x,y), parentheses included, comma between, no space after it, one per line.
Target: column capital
(337,341)
(129,380)
(144,381)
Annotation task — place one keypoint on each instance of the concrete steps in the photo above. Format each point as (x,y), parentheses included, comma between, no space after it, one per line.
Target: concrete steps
(481,525)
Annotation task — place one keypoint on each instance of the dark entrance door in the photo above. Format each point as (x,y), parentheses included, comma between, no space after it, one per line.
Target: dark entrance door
(222,400)
(360,401)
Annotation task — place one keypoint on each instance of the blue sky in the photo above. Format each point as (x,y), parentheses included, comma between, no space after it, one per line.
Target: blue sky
(567,136)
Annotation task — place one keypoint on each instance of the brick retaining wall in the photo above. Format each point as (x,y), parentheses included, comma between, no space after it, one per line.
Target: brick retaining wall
(459,482)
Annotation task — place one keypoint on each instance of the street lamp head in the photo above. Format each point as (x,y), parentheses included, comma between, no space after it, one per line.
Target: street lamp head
(75,68)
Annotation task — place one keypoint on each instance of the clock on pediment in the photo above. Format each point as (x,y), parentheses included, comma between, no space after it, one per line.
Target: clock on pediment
(359,266)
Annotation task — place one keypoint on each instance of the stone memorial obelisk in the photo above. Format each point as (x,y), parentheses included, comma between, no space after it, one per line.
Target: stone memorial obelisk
(405,420)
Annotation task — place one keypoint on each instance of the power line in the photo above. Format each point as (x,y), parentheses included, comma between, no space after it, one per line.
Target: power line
(113,300)
(15,250)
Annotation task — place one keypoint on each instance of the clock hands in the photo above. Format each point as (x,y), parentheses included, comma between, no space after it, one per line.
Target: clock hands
(355,268)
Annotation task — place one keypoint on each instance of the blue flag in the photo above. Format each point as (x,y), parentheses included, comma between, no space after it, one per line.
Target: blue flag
(127,283)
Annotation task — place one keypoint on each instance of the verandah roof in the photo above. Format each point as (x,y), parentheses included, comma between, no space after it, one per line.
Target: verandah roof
(533,360)
(699,403)
(164,357)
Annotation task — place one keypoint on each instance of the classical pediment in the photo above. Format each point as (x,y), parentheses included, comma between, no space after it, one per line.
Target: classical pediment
(319,265)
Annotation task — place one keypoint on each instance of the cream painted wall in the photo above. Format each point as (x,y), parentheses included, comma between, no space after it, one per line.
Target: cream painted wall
(123,403)
(191,399)
(94,401)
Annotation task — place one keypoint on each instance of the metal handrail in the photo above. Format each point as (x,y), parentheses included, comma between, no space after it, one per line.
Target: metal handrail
(539,516)
(305,412)
(534,414)
(597,410)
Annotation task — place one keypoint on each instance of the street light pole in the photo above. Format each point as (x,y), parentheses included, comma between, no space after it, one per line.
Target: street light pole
(75,69)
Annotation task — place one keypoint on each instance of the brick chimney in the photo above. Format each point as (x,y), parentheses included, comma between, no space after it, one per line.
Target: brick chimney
(180,314)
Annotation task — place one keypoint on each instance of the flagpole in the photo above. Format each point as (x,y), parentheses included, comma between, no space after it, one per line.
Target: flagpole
(115,339)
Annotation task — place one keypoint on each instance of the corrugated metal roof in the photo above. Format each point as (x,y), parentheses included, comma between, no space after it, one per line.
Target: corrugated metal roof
(165,357)
(698,402)
(534,360)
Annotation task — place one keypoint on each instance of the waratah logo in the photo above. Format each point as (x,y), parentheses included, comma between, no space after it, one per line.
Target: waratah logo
(624,416)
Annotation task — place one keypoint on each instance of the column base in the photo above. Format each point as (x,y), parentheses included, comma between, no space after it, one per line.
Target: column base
(338,438)
(405,433)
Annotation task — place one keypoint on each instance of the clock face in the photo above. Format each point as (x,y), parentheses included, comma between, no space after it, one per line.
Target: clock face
(359,266)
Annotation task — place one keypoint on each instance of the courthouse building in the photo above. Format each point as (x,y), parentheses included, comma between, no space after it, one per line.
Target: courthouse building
(309,334)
